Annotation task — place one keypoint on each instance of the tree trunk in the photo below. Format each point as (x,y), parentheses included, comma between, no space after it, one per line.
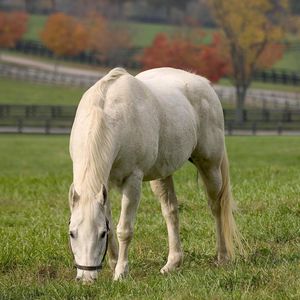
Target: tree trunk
(53,6)
(241,92)
(29,6)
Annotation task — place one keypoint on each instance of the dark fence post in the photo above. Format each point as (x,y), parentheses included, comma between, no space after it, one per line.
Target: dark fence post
(266,115)
(286,117)
(254,128)
(47,126)
(20,125)
(245,117)
(279,129)
(230,127)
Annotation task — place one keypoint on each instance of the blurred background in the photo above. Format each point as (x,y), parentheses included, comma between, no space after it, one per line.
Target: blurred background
(250,50)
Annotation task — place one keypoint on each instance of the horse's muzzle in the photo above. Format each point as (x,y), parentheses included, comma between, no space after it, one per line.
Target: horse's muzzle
(87,277)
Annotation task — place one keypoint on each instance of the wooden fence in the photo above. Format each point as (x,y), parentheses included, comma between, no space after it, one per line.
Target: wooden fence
(46,76)
(128,58)
(51,119)
(259,99)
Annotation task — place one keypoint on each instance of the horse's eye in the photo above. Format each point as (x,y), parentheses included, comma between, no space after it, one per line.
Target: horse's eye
(71,233)
(103,234)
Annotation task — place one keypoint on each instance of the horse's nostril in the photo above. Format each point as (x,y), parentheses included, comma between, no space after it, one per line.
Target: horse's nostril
(77,279)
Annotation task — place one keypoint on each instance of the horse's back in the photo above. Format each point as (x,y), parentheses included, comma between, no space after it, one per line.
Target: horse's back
(180,87)
(197,90)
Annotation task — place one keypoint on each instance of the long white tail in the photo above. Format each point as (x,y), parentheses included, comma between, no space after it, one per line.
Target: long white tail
(232,236)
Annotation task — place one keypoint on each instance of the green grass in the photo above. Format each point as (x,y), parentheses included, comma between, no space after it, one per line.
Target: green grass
(35,25)
(35,263)
(143,34)
(20,92)
(290,61)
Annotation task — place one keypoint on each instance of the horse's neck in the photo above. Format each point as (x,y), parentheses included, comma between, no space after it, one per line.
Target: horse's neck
(95,157)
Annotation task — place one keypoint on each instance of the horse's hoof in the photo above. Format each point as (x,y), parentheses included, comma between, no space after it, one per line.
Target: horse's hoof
(121,273)
(120,277)
(174,262)
(169,268)
(221,260)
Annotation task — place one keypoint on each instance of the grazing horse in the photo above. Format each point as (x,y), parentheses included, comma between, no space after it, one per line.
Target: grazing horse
(132,129)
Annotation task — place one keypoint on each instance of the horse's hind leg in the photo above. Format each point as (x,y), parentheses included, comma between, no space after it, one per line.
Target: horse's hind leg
(164,190)
(215,175)
(213,182)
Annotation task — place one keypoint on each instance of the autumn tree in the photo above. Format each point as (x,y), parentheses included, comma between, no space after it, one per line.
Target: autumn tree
(105,39)
(250,28)
(12,27)
(181,52)
(64,35)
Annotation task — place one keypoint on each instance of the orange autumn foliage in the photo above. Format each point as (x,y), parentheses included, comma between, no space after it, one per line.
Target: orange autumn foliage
(64,35)
(97,30)
(104,38)
(12,27)
(270,55)
(182,53)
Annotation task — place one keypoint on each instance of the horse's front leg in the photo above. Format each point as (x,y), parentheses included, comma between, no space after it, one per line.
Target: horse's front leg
(129,205)
(112,243)
(164,190)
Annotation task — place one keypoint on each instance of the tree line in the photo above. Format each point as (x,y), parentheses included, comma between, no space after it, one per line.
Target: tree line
(249,39)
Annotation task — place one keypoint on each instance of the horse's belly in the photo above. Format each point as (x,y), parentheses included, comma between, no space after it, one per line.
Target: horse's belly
(175,148)
(163,169)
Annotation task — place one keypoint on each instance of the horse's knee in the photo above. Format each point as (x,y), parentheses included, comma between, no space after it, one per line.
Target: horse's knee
(169,211)
(124,235)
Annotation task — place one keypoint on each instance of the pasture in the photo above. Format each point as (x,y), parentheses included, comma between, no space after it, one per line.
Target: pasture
(35,262)
(144,33)
(33,93)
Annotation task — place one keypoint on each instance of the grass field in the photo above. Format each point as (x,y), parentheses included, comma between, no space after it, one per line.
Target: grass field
(35,26)
(21,92)
(35,263)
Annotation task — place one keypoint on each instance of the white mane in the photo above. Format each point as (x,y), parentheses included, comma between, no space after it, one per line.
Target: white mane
(92,149)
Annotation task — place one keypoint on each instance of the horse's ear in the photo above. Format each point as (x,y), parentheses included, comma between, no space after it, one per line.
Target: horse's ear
(73,196)
(102,195)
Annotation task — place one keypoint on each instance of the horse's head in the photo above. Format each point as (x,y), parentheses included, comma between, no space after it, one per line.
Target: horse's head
(88,232)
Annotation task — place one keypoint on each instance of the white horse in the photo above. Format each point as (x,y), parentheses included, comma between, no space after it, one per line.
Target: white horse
(133,129)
